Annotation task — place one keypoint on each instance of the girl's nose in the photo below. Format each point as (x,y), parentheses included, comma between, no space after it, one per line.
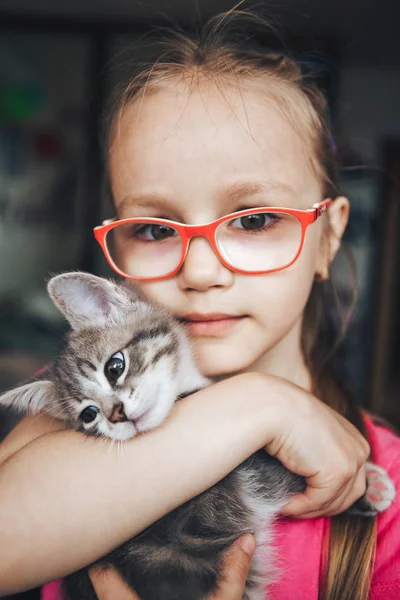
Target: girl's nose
(202,268)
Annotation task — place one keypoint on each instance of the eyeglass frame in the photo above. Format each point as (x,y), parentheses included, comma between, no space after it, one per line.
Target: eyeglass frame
(306,217)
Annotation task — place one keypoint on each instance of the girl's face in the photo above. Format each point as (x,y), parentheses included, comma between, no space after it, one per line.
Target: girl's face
(193,157)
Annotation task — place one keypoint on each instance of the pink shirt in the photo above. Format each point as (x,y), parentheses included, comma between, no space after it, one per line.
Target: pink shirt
(298,543)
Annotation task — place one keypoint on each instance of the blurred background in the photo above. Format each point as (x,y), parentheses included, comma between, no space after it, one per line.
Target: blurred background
(59,62)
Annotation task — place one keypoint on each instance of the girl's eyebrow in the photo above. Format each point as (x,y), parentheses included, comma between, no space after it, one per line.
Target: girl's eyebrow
(148,200)
(232,193)
(238,190)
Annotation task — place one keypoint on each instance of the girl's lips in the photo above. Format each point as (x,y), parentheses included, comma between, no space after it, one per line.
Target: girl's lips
(211,325)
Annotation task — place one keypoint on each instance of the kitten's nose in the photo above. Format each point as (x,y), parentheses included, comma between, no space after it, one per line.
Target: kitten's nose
(118,415)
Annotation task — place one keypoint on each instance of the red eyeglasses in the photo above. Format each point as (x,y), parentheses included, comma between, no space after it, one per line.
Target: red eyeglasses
(255,241)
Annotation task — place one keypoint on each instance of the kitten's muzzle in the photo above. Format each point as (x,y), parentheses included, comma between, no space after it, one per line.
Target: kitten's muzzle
(118,415)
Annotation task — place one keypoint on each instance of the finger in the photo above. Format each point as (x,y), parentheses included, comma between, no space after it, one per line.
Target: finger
(236,569)
(355,489)
(352,492)
(108,585)
(317,502)
(314,501)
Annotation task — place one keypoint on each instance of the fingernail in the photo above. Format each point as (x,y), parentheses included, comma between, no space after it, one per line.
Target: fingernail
(248,544)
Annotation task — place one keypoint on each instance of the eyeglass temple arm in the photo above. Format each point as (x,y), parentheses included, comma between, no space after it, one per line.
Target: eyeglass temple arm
(107,222)
(321,207)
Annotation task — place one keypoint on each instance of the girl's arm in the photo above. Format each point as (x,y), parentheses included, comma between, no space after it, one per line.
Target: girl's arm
(67,499)
(26,431)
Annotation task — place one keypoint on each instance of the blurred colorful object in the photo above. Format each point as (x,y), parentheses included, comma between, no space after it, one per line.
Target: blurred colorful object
(20,101)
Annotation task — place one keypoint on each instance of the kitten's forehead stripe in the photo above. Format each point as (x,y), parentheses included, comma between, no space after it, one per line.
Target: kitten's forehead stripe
(147,334)
(137,362)
(81,363)
(81,369)
(89,364)
(165,351)
(141,367)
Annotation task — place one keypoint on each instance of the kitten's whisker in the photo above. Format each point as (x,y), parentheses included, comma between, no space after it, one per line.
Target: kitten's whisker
(102,442)
(115,443)
(37,416)
(122,450)
(110,447)
(118,449)
(45,412)
(48,412)
(59,415)
(58,404)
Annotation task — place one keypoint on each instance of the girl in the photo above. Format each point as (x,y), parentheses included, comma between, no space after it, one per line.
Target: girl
(216,133)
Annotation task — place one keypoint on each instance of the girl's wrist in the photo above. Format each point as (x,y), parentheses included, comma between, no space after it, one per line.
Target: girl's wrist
(276,403)
(265,403)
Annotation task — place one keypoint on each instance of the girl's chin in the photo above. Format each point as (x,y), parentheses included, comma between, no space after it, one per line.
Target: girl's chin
(218,364)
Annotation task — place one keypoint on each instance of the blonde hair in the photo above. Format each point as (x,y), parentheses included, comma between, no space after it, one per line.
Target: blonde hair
(224,52)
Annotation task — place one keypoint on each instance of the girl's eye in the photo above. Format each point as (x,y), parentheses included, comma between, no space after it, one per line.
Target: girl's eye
(255,222)
(115,366)
(89,414)
(154,233)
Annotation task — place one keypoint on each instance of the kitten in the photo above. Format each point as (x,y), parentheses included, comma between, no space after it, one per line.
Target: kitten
(124,365)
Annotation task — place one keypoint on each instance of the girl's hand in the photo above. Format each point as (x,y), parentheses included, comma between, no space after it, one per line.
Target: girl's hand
(110,585)
(314,441)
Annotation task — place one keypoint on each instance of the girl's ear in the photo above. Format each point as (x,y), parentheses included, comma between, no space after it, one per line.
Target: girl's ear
(30,398)
(88,301)
(338,215)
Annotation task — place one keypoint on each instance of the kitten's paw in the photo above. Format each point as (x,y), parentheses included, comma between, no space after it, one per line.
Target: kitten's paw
(380,488)
(379,495)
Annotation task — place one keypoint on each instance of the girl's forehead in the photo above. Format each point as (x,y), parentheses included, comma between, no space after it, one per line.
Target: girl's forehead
(195,144)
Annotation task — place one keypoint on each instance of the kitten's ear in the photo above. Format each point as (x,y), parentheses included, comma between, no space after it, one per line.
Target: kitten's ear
(30,398)
(87,301)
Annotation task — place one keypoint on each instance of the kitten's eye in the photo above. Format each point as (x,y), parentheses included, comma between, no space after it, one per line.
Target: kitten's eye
(89,414)
(115,366)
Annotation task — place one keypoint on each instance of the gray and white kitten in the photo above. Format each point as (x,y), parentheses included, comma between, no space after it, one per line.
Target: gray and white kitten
(124,365)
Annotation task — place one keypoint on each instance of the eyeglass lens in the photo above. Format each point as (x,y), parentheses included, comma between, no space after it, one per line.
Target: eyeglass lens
(259,242)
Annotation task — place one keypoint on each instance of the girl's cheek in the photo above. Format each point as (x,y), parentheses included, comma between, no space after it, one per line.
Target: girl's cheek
(160,292)
(280,296)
